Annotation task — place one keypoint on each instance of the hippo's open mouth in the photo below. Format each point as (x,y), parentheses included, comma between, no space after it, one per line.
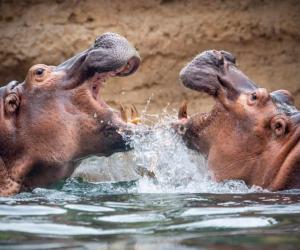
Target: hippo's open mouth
(99,79)
(212,72)
(110,56)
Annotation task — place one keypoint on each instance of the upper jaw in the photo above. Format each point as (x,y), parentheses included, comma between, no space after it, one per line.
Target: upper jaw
(110,55)
(98,79)
(201,74)
(215,73)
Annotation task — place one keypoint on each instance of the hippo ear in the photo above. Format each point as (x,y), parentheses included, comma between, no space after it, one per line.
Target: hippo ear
(228,56)
(280,125)
(11,103)
(12,98)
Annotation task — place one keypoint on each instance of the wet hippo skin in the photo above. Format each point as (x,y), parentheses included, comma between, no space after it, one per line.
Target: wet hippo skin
(56,117)
(250,134)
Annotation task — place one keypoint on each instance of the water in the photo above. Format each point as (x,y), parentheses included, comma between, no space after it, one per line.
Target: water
(81,215)
(179,208)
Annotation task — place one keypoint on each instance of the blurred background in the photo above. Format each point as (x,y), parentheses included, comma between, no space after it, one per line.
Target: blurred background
(264,36)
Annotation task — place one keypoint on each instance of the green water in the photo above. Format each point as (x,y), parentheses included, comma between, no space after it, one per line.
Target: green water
(78,215)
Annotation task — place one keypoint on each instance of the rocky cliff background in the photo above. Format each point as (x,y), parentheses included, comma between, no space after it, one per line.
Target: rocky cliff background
(264,36)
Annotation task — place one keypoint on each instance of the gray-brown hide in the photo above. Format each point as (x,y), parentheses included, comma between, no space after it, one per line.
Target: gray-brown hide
(250,134)
(56,117)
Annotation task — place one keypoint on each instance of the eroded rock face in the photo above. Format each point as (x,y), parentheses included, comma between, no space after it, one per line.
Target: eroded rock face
(263,35)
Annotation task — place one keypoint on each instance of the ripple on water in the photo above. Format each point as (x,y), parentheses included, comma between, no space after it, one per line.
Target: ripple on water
(89,208)
(48,228)
(282,209)
(228,222)
(132,218)
(59,229)
(30,210)
(222,210)
(260,209)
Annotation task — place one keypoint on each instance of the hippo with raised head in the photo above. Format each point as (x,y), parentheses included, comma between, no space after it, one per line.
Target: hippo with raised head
(250,134)
(55,117)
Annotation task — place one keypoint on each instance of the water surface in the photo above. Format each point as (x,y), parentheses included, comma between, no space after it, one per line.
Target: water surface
(81,215)
(182,208)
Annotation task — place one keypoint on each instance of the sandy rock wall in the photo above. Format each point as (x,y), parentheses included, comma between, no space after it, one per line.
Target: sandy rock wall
(264,35)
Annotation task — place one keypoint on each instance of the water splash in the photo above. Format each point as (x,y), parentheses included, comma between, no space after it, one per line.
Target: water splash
(159,150)
(177,169)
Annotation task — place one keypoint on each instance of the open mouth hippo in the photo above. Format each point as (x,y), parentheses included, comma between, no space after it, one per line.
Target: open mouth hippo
(55,117)
(250,134)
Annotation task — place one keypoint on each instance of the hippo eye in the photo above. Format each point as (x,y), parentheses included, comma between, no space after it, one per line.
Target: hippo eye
(253,97)
(39,71)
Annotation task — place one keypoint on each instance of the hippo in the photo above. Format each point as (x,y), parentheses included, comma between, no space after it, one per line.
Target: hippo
(55,117)
(250,134)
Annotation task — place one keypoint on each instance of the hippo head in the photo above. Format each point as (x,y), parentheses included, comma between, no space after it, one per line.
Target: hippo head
(56,116)
(250,134)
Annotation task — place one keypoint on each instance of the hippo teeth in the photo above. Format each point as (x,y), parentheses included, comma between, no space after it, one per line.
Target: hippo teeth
(135,119)
(123,113)
(182,113)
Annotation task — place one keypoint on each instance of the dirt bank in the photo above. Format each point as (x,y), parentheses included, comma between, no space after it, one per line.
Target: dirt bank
(264,35)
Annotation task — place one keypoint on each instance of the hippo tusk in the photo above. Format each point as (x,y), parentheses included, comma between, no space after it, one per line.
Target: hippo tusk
(182,113)
(135,119)
(123,113)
